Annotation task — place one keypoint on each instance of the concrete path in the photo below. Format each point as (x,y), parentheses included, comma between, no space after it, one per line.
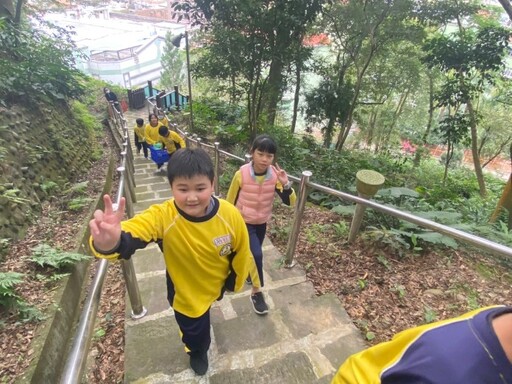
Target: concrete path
(303,339)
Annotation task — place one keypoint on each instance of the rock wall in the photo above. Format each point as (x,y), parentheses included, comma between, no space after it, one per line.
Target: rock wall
(38,147)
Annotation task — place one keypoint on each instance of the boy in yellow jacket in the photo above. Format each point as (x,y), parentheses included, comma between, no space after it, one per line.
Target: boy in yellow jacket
(204,241)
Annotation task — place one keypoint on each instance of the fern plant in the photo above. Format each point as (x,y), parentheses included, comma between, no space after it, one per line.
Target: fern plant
(46,256)
(78,203)
(8,296)
(11,301)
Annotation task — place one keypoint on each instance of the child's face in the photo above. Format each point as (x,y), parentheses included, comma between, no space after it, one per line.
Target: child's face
(261,160)
(154,121)
(192,195)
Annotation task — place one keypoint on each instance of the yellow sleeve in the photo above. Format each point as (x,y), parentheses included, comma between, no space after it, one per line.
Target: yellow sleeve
(177,139)
(111,257)
(292,196)
(147,135)
(235,186)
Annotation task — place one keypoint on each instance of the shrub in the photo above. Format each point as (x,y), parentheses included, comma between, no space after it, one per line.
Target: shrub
(46,256)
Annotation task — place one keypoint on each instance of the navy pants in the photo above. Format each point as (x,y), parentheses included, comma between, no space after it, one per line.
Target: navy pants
(256,236)
(195,331)
(141,145)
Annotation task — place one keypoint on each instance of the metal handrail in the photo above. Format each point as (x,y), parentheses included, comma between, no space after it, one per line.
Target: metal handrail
(77,358)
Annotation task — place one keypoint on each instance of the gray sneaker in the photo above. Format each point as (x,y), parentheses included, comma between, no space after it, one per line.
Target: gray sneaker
(258,303)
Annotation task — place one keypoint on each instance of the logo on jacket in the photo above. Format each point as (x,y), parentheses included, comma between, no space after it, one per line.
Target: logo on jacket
(226,250)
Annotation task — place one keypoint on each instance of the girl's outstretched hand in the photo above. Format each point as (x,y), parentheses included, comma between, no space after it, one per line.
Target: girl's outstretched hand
(106,225)
(281,174)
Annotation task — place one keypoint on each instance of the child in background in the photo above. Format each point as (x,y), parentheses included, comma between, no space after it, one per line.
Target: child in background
(112,98)
(140,139)
(151,134)
(204,241)
(252,192)
(162,118)
(171,140)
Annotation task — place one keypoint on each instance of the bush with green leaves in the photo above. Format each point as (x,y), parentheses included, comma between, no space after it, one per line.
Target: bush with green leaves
(37,63)
(8,281)
(78,203)
(46,256)
(10,301)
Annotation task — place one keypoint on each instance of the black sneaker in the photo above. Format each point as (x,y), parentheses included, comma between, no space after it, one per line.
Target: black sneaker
(258,303)
(199,362)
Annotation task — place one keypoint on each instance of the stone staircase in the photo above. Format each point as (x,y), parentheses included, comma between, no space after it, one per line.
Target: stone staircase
(303,339)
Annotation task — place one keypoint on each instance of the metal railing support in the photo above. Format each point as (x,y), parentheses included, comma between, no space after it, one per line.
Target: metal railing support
(356,220)
(132,287)
(297,219)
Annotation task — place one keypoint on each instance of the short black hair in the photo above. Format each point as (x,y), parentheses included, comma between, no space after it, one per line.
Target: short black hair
(190,162)
(163,131)
(139,121)
(264,143)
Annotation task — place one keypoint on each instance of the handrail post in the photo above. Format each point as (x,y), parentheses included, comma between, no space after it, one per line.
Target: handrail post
(217,169)
(368,183)
(186,138)
(297,219)
(132,287)
(357,220)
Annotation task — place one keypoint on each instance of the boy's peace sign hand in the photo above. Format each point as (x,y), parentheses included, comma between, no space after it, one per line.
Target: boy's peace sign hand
(106,225)
(281,174)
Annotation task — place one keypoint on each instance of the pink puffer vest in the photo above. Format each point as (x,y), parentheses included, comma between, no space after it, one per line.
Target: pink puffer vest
(255,199)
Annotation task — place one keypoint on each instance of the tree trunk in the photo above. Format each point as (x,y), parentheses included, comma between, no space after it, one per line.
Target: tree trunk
(396,115)
(371,128)
(275,82)
(342,137)
(17,17)
(298,70)
(7,9)
(426,134)
(507,7)
(449,155)
(474,150)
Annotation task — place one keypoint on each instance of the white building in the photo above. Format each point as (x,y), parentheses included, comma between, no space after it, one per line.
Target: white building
(128,66)
(124,52)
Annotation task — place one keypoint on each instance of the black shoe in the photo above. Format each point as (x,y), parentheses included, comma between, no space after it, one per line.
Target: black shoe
(258,303)
(199,362)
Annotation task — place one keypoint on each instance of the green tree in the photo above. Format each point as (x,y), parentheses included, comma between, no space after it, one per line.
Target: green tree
(470,59)
(251,46)
(174,72)
(359,32)
(37,62)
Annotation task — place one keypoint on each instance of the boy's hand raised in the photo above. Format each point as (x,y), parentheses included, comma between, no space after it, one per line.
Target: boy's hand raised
(106,225)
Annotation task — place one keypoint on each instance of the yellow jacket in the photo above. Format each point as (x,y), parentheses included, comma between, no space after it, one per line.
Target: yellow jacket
(172,142)
(151,133)
(197,251)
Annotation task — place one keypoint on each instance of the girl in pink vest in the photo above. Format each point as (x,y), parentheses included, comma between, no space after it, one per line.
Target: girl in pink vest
(252,191)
